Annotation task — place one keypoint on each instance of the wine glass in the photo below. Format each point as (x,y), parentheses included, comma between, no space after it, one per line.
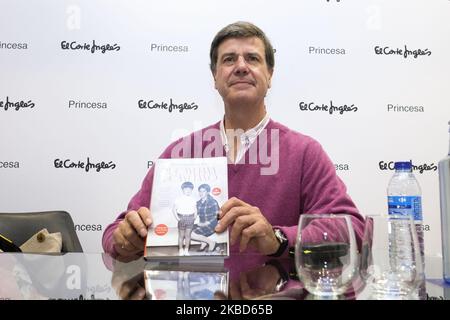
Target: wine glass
(391,263)
(326,256)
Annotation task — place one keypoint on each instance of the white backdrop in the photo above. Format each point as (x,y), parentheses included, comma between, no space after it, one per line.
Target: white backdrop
(36,69)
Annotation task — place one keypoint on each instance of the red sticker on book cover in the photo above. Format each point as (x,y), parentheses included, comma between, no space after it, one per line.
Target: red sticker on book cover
(161,229)
(160,294)
(216,191)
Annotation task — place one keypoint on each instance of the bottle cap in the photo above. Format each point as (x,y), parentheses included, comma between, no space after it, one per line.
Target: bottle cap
(403,165)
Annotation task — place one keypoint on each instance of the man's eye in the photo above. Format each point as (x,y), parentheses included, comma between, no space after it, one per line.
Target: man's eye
(228,59)
(253,58)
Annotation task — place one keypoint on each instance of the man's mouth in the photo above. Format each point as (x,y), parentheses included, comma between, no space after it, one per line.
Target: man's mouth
(242,82)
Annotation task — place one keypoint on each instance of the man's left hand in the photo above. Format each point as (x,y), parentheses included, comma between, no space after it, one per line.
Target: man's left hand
(248,224)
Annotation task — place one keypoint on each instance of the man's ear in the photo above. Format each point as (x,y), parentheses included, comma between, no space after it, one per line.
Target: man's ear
(269,81)
(214,77)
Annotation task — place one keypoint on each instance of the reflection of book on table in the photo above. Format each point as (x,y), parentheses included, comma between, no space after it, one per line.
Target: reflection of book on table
(186,198)
(334,254)
(165,281)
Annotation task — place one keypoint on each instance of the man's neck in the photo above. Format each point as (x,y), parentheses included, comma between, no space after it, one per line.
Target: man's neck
(243,117)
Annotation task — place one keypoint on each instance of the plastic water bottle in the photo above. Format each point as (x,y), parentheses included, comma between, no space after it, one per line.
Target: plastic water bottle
(405,198)
(444,187)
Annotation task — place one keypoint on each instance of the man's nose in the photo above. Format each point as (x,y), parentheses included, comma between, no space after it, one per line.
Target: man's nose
(241,66)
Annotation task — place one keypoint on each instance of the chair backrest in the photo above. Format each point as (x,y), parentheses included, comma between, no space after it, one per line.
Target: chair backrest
(19,227)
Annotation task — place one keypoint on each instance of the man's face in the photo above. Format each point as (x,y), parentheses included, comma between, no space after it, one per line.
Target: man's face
(241,74)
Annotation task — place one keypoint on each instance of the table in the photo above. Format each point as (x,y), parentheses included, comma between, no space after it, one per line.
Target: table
(94,276)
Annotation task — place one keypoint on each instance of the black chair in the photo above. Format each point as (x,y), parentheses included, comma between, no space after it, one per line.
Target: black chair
(19,227)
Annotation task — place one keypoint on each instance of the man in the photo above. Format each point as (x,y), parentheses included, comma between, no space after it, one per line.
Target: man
(264,206)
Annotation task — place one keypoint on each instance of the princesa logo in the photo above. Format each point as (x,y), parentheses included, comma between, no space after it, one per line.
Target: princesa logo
(155,47)
(341,166)
(91,47)
(404,108)
(9,164)
(13,45)
(15,104)
(326,51)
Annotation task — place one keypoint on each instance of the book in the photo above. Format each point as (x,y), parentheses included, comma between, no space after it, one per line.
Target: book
(168,281)
(185,202)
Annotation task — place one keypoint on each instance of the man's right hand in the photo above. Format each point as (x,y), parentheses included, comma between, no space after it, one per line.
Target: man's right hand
(130,233)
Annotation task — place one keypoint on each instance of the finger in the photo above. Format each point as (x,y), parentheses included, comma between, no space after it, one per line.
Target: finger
(240,224)
(122,245)
(131,237)
(230,203)
(125,290)
(246,291)
(136,222)
(129,256)
(145,215)
(244,283)
(116,281)
(219,295)
(120,242)
(253,231)
(229,217)
(138,294)
(235,292)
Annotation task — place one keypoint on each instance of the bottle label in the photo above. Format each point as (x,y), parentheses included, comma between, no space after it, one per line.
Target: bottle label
(406,205)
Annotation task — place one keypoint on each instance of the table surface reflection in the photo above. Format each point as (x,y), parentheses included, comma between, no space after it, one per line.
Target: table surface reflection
(86,276)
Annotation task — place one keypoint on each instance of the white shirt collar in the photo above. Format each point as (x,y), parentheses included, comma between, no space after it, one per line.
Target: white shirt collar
(246,139)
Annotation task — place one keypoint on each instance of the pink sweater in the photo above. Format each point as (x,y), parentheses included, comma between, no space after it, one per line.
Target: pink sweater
(306,182)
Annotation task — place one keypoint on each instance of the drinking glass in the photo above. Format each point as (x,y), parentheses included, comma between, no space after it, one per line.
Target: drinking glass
(326,254)
(391,263)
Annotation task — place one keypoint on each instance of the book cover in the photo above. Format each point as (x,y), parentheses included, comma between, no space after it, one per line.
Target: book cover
(185,282)
(186,198)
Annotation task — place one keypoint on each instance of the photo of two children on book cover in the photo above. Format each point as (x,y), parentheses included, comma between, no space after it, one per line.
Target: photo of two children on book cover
(185,206)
